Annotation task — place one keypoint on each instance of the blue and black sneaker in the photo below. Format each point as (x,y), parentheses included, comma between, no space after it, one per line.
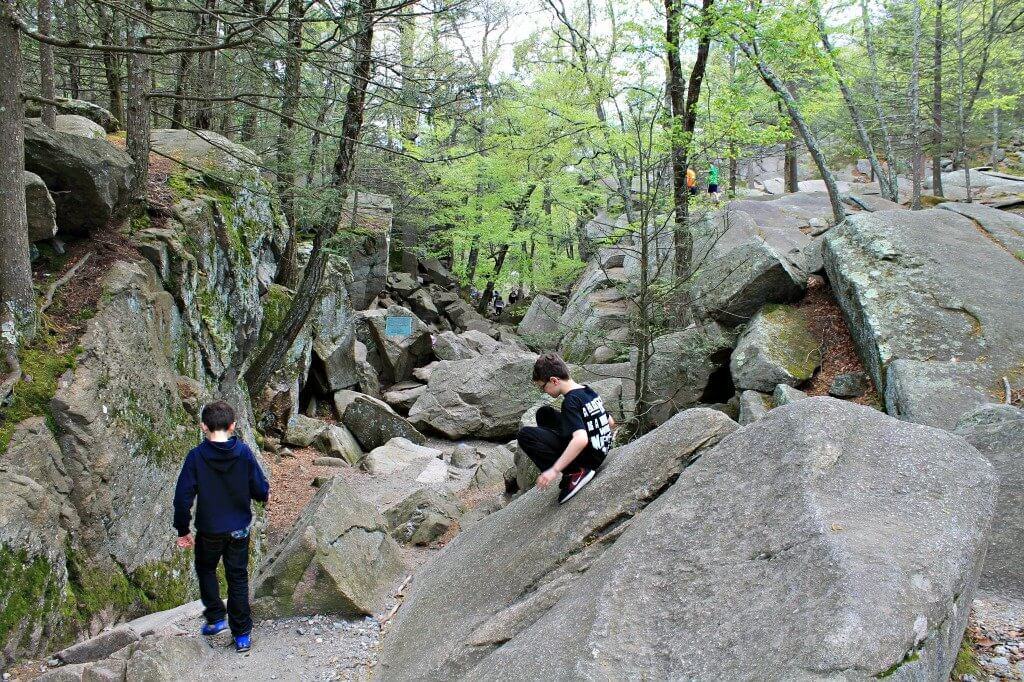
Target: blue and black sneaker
(210,629)
(243,643)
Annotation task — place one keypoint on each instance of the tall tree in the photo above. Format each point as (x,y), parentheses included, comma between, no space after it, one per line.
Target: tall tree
(138,117)
(48,111)
(286,156)
(17,301)
(937,102)
(272,355)
(916,169)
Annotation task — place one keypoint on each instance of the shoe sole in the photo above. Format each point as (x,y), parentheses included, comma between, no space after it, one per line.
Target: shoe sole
(579,486)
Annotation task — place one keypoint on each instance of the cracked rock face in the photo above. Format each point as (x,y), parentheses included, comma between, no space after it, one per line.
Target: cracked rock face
(934,301)
(825,541)
(338,559)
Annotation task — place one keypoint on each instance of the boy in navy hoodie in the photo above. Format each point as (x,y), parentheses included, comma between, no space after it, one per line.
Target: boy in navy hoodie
(223,473)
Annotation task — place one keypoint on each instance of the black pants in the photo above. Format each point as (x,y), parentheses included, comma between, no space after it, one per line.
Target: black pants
(546,442)
(235,552)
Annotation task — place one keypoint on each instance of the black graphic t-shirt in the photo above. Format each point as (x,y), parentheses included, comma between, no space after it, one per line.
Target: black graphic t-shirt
(582,408)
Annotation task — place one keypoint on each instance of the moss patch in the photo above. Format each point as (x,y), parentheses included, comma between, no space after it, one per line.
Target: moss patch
(28,594)
(42,364)
(792,345)
(966,661)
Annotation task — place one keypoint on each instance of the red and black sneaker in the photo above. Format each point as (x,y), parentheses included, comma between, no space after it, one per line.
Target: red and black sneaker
(576,480)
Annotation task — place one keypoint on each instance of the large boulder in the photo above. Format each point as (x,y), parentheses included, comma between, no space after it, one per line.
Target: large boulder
(997,431)
(540,324)
(483,397)
(838,560)
(450,346)
(681,368)
(338,559)
(88,178)
(424,516)
(394,357)
(78,107)
(397,453)
(73,124)
(372,421)
(597,305)
(366,222)
(777,347)
(40,208)
(508,568)
(338,442)
(733,287)
(918,294)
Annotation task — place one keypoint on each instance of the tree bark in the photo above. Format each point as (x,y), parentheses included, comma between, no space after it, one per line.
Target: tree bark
(17,300)
(684,121)
(179,113)
(138,117)
(111,63)
(273,354)
(851,105)
(48,111)
(772,80)
(287,274)
(887,184)
(937,103)
(207,65)
(917,171)
(74,66)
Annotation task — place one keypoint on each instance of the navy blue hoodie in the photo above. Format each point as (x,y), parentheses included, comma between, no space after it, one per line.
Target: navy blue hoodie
(226,478)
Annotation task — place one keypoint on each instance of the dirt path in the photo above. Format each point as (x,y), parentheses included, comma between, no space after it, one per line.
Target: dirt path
(995,633)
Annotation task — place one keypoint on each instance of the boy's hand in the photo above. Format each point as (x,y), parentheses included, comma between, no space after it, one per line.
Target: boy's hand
(547,478)
(186,541)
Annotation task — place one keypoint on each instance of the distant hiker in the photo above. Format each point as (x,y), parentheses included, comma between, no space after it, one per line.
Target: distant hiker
(223,473)
(499,304)
(691,181)
(513,296)
(573,443)
(713,182)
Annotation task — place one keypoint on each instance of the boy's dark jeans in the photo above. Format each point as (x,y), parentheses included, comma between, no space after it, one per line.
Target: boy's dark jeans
(546,442)
(235,552)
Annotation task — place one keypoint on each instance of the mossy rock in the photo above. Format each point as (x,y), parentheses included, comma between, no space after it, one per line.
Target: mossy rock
(777,347)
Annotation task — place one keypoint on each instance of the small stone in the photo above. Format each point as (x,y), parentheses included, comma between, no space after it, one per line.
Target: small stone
(849,385)
(1001,650)
(1000,661)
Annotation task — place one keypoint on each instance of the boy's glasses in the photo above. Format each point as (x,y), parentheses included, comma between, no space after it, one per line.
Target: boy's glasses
(542,386)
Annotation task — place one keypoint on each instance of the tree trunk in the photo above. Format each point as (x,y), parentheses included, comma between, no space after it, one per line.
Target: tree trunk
(273,354)
(772,80)
(207,65)
(111,63)
(937,103)
(684,121)
(17,300)
(917,171)
(960,109)
(74,65)
(138,116)
(791,175)
(851,106)
(887,184)
(179,112)
(287,274)
(49,112)
(993,156)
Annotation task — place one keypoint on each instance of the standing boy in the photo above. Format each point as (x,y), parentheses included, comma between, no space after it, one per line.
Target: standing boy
(573,443)
(223,473)
(713,182)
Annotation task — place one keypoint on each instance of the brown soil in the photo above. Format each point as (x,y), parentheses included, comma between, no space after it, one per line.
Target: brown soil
(838,354)
(291,489)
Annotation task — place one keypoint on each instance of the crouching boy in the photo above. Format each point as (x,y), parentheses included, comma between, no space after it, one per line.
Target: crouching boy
(573,443)
(223,474)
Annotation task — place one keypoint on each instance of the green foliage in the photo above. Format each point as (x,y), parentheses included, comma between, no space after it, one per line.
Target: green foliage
(27,592)
(966,661)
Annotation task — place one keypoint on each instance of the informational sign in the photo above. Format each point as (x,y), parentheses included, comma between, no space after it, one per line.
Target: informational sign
(397,326)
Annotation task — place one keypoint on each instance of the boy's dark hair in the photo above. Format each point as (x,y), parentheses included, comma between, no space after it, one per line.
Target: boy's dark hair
(548,366)
(218,415)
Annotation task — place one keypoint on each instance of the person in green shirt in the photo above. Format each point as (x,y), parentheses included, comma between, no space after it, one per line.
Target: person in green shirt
(713,182)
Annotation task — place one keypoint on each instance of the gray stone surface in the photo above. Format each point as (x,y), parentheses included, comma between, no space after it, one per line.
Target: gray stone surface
(849,385)
(540,324)
(370,232)
(935,304)
(402,396)
(733,287)
(301,430)
(79,107)
(464,456)
(39,206)
(753,406)
(73,124)
(997,431)
(483,397)
(777,347)
(88,178)
(450,346)
(374,423)
(338,559)
(682,365)
(597,305)
(495,463)
(424,516)
(784,395)
(336,441)
(396,356)
(396,454)
(852,551)
(502,573)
